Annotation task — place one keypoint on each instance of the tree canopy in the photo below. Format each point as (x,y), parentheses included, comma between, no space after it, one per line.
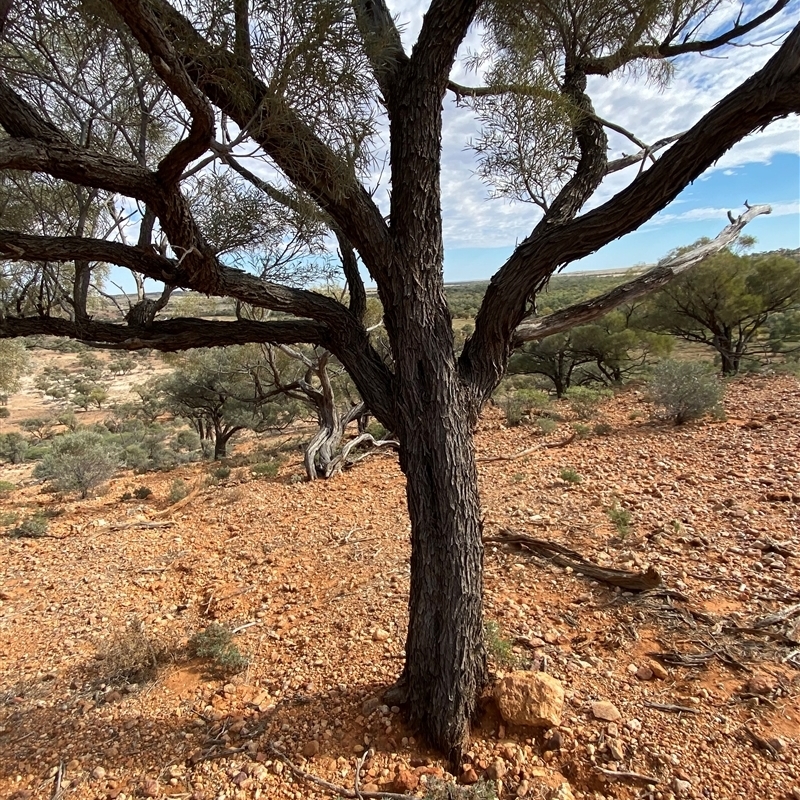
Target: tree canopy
(725,302)
(139,104)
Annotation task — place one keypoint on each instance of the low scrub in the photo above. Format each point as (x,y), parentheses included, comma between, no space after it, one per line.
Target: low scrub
(79,461)
(215,645)
(685,390)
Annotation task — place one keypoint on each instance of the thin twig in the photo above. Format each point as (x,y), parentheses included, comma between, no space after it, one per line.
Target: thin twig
(332,787)
(671,707)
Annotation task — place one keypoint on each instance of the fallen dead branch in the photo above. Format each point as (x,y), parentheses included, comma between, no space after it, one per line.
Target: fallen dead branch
(760,742)
(342,791)
(529,450)
(181,503)
(123,526)
(564,557)
(627,776)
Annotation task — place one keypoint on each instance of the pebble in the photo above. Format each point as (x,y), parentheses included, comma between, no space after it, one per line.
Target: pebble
(380,635)
(98,773)
(310,749)
(603,709)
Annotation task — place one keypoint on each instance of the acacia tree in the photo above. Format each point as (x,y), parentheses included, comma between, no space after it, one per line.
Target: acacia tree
(307,84)
(725,302)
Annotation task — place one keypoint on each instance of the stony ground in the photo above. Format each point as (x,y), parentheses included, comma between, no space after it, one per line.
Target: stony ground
(315,579)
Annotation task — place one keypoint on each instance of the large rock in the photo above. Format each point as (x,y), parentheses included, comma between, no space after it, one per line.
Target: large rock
(530,698)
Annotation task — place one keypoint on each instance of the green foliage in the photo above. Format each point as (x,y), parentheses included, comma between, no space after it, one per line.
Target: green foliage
(376,430)
(178,490)
(6,486)
(8,518)
(13,447)
(603,429)
(14,364)
(215,644)
(33,527)
(585,402)
(546,425)
(620,518)
(122,364)
(582,431)
(142,492)
(685,390)
(79,461)
(570,476)
(726,301)
(4,413)
(220,473)
(498,647)
(266,469)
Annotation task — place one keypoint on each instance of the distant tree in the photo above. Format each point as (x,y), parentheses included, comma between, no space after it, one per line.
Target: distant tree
(14,363)
(726,302)
(606,351)
(216,390)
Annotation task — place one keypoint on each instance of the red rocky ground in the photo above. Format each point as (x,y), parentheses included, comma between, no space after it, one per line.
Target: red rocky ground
(320,573)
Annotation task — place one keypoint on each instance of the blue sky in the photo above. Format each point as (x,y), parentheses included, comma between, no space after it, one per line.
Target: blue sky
(699,211)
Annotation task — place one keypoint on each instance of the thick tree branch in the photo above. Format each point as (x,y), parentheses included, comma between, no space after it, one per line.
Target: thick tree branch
(381,41)
(652,280)
(307,161)
(773,92)
(241,46)
(168,335)
(444,27)
(170,69)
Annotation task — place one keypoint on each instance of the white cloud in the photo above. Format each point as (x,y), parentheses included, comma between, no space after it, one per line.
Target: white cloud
(648,110)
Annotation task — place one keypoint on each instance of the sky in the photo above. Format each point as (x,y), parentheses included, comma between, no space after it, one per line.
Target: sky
(480,233)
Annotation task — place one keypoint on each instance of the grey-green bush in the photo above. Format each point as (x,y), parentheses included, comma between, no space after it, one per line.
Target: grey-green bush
(79,461)
(685,390)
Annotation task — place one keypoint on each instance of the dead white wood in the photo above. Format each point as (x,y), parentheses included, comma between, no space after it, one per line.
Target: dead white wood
(627,776)
(581,313)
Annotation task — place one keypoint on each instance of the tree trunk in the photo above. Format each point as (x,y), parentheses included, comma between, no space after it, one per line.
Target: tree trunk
(445,655)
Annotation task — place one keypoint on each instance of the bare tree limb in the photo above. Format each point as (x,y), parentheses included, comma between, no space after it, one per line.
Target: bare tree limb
(608,64)
(646,152)
(650,281)
(167,335)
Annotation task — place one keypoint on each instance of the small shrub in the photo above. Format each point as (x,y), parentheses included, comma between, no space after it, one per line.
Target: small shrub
(582,431)
(13,447)
(546,425)
(178,490)
(437,789)
(78,461)
(6,486)
(186,440)
(267,469)
(570,476)
(621,519)
(8,518)
(376,430)
(131,656)
(142,492)
(215,644)
(221,473)
(686,390)
(585,402)
(4,413)
(603,429)
(32,528)
(498,648)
